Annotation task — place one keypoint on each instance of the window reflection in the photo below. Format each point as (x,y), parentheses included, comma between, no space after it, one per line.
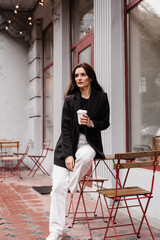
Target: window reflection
(48,104)
(144,59)
(82,18)
(48,45)
(48,84)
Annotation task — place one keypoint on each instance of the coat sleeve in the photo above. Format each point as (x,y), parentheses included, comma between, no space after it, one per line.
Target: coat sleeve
(103,122)
(66,128)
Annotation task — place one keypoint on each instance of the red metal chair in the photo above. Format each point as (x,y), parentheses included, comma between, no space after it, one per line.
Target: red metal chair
(23,155)
(39,159)
(87,215)
(129,194)
(8,159)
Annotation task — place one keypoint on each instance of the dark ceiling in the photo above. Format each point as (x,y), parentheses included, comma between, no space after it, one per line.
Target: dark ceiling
(17,24)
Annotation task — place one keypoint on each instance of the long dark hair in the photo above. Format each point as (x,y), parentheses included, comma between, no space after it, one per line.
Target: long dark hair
(72,87)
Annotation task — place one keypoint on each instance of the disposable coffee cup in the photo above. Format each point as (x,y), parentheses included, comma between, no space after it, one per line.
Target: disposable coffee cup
(80,113)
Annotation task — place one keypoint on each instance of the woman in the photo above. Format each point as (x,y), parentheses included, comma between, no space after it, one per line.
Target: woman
(78,144)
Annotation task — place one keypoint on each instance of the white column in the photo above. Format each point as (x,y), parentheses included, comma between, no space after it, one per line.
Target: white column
(109,67)
(35,88)
(61,61)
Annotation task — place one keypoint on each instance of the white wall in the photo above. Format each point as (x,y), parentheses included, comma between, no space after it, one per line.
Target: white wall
(13,94)
(61,61)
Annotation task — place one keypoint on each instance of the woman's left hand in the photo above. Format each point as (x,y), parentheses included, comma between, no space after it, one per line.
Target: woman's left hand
(85,120)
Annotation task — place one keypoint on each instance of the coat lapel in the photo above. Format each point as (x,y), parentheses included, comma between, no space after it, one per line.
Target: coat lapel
(93,101)
(77,101)
(77,106)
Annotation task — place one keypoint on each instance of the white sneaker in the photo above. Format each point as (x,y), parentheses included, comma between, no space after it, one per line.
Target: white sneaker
(54,236)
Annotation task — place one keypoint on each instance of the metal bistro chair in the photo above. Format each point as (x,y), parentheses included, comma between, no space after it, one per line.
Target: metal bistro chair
(23,155)
(39,159)
(129,194)
(88,215)
(8,160)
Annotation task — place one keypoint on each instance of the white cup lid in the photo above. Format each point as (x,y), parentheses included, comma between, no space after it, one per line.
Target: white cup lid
(82,111)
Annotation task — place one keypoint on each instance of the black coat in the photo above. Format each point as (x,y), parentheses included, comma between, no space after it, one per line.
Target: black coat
(97,110)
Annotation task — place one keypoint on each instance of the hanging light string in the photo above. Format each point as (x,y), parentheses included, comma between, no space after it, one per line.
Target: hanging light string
(16,10)
(41,2)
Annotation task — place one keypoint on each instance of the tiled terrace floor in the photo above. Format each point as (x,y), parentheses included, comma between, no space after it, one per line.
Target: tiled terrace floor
(24,213)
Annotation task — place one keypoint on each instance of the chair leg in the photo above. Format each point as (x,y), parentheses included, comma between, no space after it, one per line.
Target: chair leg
(129,214)
(35,164)
(144,216)
(31,170)
(86,216)
(11,168)
(70,206)
(21,161)
(110,220)
(99,201)
(85,211)
(39,166)
(75,212)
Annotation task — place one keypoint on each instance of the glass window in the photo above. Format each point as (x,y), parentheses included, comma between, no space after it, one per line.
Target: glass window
(73,58)
(82,18)
(85,55)
(48,84)
(48,103)
(48,45)
(144,73)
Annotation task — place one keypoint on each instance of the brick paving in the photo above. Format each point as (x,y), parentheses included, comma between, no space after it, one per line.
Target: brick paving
(24,213)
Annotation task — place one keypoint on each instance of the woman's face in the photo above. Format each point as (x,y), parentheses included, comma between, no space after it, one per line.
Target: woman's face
(81,78)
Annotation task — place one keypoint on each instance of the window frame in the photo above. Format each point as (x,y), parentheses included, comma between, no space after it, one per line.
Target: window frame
(127,9)
(82,44)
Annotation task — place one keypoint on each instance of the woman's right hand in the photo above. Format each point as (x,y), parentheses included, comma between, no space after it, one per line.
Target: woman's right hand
(69,161)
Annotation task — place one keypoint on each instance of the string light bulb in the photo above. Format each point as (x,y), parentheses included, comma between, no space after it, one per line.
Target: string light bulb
(90,27)
(84,33)
(30,23)
(6,27)
(18,5)
(9,21)
(41,2)
(20,32)
(29,18)
(15,11)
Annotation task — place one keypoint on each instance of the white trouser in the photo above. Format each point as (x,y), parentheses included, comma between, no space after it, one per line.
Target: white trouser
(62,181)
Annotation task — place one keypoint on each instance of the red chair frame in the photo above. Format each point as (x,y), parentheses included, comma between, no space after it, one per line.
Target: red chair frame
(39,159)
(82,185)
(121,193)
(23,155)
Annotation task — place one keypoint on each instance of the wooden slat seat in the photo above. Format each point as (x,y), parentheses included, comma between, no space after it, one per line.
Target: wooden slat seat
(134,155)
(135,164)
(124,192)
(11,158)
(95,180)
(109,157)
(9,144)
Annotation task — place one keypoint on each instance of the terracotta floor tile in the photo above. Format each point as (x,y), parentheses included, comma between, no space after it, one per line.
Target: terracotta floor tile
(24,213)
